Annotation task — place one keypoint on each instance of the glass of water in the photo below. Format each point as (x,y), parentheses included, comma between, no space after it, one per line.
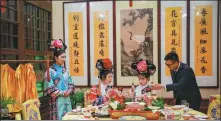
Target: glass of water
(186,108)
(78,107)
(183,102)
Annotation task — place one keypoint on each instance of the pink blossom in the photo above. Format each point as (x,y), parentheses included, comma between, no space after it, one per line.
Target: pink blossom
(142,66)
(57,43)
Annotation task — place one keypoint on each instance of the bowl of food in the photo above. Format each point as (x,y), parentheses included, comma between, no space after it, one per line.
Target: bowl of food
(177,115)
(186,116)
(177,107)
(149,115)
(201,116)
(154,107)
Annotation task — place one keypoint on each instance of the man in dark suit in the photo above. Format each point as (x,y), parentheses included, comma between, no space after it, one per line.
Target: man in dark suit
(184,85)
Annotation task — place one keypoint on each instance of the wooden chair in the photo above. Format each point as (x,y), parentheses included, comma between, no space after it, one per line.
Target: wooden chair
(214,107)
(30,110)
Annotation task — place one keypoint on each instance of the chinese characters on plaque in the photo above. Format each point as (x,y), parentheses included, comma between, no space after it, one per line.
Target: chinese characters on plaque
(203,40)
(76,44)
(173,32)
(101,37)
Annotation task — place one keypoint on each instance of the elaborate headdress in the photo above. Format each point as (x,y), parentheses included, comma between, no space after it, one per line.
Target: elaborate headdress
(144,67)
(104,65)
(57,45)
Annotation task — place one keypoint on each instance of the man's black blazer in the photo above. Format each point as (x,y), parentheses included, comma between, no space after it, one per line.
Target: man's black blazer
(185,87)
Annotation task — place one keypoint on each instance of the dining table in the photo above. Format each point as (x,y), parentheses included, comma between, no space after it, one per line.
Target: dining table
(72,116)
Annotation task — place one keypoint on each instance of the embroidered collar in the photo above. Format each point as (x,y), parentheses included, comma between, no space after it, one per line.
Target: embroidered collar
(57,67)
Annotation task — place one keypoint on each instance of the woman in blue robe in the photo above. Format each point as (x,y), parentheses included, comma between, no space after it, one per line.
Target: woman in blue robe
(58,84)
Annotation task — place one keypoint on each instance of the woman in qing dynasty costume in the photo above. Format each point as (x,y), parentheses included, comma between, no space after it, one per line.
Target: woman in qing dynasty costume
(105,78)
(144,69)
(58,83)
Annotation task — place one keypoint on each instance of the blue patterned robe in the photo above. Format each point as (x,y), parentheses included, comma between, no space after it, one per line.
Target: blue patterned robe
(59,80)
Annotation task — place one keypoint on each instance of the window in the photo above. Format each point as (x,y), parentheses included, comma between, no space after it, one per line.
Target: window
(9,25)
(37,28)
(10,57)
(39,65)
(35,25)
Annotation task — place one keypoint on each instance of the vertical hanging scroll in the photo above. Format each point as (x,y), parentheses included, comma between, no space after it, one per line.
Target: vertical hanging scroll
(136,38)
(173,34)
(75,36)
(76,44)
(101,34)
(101,37)
(203,42)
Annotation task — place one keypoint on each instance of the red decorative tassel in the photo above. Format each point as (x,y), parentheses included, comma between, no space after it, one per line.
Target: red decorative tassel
(48,73)
(130,3)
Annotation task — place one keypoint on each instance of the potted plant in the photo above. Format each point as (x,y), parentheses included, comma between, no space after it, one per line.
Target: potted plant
(3,105)
(77,97)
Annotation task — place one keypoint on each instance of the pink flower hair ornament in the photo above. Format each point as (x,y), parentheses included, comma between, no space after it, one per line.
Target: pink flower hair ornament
(57,44)
(144,66)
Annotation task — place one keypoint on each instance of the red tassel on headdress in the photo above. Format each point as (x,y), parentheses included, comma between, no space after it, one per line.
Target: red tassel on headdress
(48,74)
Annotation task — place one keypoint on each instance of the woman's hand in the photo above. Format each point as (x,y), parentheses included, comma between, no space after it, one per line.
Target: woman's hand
(54,94)
(131,93)
(67,93)
(139,98)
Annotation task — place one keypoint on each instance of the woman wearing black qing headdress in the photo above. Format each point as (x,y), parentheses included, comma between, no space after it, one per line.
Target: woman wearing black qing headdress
(105,77)
(105,74)
(144,69)
(58,83)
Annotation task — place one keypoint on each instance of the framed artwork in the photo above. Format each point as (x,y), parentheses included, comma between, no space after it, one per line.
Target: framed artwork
(173,34)
(204,44)
(136,38)
(101,35)
(75,36)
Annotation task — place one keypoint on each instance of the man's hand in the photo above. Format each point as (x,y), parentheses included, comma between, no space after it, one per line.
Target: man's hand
(157,87)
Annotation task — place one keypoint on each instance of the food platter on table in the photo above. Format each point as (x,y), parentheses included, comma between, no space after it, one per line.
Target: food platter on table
(201,116)
(99,115)
(132,118)
(101,111)
(177,107)
(154,107)
(77,117)
(131,103)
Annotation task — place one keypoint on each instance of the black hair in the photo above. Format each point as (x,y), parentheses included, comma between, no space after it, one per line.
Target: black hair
(146,75)
(150,70)
(172,56)
(58,53)
(56,50)
(103,74)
